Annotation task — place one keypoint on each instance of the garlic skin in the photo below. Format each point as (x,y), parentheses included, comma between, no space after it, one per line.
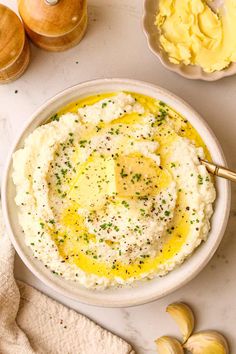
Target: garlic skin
(183,316)
(207,342)
(168,345)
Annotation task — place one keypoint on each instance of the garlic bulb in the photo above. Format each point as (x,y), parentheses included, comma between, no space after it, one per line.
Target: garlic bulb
(207,342)
(169,345)
(184,318)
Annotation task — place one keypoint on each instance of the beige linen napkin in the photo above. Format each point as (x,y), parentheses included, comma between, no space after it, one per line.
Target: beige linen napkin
(31,322)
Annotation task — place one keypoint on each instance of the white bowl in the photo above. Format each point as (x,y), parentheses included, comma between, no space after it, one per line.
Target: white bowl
(144,291)
(188,71)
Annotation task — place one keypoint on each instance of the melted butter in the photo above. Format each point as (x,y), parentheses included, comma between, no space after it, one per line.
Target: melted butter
(73,248)
(96,179)
(73,107)
(73,242)
(143,265)
(154,181)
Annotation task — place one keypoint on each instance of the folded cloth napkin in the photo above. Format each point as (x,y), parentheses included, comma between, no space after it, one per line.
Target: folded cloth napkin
(31,322)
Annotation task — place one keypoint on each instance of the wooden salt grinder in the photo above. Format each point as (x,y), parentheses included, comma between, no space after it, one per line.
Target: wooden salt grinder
(14,46)
(54,25)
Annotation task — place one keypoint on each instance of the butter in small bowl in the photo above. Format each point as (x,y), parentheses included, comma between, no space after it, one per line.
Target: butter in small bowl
(192,39)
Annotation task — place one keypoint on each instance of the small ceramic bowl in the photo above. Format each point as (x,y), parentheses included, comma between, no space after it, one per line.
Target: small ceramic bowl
(142,292)
(188,71)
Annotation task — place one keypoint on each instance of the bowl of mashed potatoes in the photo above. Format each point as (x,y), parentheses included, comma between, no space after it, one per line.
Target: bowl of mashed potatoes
(105,197)
(193,38)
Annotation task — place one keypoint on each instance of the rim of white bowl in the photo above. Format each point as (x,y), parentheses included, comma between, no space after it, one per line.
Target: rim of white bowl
(192,265)
(192,72)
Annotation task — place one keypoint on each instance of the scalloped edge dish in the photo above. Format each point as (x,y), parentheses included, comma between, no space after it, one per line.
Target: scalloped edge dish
(188,71)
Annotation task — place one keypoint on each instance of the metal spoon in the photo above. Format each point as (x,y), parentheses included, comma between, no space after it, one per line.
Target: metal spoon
(219,171)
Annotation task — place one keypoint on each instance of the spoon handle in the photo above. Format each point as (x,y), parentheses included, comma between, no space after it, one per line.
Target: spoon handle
(220,171)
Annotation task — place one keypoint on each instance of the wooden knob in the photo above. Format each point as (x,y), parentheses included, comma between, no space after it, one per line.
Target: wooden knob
(14,48)
(54,24)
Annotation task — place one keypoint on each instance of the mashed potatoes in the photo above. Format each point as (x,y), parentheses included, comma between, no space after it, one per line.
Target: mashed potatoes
(112,191)
(191,33)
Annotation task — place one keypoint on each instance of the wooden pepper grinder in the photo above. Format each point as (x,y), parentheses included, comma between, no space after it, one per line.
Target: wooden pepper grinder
(54,25)
(14,46)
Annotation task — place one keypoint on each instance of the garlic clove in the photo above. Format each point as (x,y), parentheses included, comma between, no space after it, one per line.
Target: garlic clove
(169,345)
(183,316)
(207,342)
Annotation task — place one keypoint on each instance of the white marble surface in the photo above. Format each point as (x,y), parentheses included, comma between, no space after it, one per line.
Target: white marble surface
(116,47)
